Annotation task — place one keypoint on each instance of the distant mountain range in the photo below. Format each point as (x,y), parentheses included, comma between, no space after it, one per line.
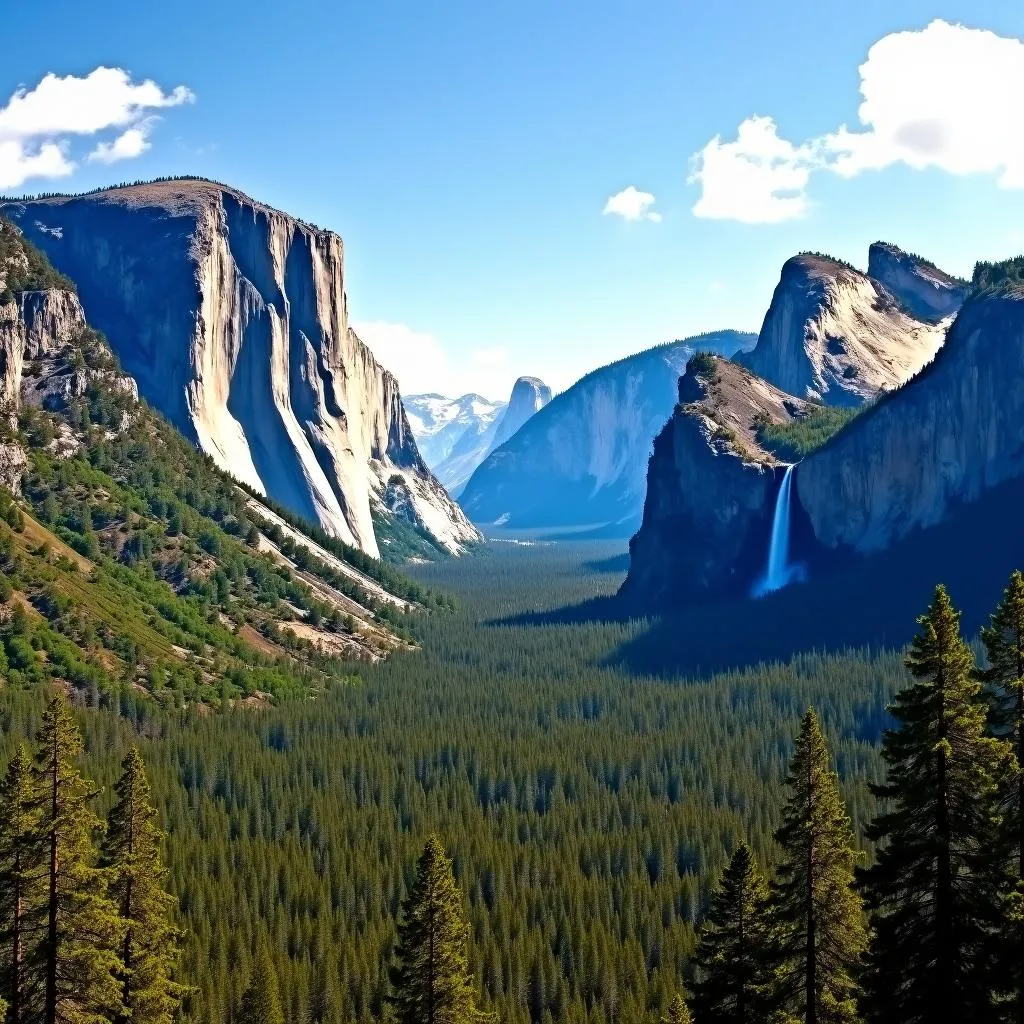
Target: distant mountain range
(581,462)
(455,435)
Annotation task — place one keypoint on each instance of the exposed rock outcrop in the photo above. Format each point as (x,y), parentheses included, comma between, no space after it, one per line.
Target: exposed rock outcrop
(710,486)
(581,461)
(529,396)
(952,433)
(232,317)
(838,336)
(35,325)
(924,291)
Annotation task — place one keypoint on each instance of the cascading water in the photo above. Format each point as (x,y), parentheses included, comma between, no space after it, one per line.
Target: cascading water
(779,572)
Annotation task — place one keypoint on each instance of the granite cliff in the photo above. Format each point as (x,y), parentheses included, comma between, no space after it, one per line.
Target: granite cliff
(710,485)
(232,317)
(836,335)
(916,459)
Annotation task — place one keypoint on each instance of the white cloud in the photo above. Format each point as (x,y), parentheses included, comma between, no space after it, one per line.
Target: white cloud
(632,204)
(19,163)
(37,125)
(421,363)
(758,179)
(945,96)
(131,143)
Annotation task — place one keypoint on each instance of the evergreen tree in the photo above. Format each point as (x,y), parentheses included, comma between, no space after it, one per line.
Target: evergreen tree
(931,887)
(261,1003)
(678,1012)
(131,852)
(431,977)
(21,872)
(735,943)
(1004,679)
(822,938)
(77,958)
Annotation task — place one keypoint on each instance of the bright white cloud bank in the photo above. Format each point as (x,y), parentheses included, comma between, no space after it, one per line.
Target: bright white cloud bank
(632,204)
(38,126)
(945,97)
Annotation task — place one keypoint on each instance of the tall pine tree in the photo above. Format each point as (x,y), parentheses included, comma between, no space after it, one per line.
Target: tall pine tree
(822,938)
(131,853)
(21,876)
(1004,679)
(77,961)
(931,887)
(678,1012)
(431,978)
(733,958)
(261,1002)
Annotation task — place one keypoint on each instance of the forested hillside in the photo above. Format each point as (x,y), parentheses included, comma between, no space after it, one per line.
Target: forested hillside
(586,810)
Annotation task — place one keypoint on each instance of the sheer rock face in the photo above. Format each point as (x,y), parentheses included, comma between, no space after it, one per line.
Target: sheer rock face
(710,487)
(838,336)
(946,437)
(924,291)
(35,325)
(581,461)
(233,319)
(529,396)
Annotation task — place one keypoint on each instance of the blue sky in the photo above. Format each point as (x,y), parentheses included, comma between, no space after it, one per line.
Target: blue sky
(466,151)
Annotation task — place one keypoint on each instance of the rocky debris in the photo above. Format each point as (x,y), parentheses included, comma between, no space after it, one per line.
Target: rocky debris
(233,318)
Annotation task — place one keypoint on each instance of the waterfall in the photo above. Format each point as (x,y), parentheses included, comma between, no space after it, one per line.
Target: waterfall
(779,572)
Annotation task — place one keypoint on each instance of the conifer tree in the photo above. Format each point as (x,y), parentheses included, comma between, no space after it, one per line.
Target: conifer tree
(131,853)
(822,938)
(21,874)
(261,1002)
(931,887)
(678,1012)
(1004,679)
(733,958)
(431,978)
(77,960)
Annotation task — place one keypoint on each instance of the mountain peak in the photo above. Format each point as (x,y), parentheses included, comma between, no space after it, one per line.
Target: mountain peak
(925,291)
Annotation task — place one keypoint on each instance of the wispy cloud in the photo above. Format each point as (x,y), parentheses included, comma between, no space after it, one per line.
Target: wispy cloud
(632,204)
(421,363)
(945,96)
(38,126)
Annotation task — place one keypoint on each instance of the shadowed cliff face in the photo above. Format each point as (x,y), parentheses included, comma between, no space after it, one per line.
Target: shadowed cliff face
(952,433)
(710,488)
(924,291)
(581,461)
(232,317)
(838,336)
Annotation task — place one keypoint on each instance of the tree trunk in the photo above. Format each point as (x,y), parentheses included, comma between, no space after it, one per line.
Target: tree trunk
(50,1006)
(943,990)
(811,963)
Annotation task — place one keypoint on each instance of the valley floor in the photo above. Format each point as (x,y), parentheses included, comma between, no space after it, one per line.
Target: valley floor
(586,807)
